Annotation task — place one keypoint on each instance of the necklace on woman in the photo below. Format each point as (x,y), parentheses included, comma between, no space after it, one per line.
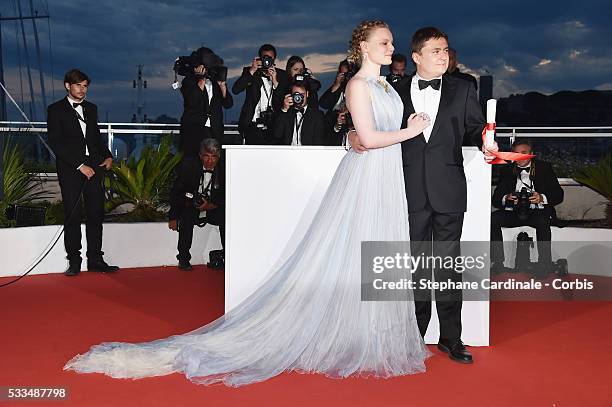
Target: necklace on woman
(384,84)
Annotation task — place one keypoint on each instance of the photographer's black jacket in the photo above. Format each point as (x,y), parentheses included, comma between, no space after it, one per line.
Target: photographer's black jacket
(544,182)
(189,177)
(196,106)
(313,132)
(252,84)
(313,97)
(329,99)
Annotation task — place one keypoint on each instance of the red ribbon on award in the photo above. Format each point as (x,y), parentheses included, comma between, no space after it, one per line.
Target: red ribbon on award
(488,134)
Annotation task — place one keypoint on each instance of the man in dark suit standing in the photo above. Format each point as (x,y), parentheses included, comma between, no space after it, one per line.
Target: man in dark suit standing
(542,185)
(299,124)
(436,188)
(335,102)
(204,99)
(260,80)
(202,176)
(81,158)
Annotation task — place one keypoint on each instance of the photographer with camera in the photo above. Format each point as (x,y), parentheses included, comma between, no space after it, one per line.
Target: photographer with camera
(526,195)
(260,80)
(397,72)
(297,72)
(298,123)
(334,101)
(205,95)
(197,198)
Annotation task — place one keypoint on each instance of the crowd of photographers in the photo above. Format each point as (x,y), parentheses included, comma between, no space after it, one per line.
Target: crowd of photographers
(282,107)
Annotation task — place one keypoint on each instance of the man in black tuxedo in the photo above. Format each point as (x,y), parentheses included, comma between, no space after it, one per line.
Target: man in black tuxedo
(260,80)
(434,177)
(299,124)
(81,158)
(203,102)
(204,176)
(538,179)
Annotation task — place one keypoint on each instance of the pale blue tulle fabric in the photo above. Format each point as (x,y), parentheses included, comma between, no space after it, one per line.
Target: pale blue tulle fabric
(308,316)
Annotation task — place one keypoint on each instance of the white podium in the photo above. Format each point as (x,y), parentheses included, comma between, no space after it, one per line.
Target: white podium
(272,194)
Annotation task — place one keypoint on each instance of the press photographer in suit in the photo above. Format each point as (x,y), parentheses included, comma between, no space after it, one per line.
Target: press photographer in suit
(81,158)
(197,198)
(526,195)
(260,80)
(298,123)
(205,95)
(334,101)
(297,72)
(397,72)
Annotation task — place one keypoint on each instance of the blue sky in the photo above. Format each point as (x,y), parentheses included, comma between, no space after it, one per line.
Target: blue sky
(543,46)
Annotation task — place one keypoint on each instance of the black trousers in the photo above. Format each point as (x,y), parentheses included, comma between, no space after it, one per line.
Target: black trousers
(73,186)
(539,219)
(438,234)
(253,135)
(191,137)
(186,222)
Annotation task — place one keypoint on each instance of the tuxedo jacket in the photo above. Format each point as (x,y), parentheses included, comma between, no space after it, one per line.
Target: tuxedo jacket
(433,170)
(189,178)
(542,176)
(252,84)
(66,137)
(196,105)
(313,130)
(313,93)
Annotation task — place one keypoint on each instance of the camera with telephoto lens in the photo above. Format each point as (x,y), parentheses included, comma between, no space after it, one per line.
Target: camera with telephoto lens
(267,62)
(522,206)
(198,199)
(215,71)
(298,99)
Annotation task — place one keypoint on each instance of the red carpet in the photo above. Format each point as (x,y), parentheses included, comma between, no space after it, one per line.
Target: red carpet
(542,353)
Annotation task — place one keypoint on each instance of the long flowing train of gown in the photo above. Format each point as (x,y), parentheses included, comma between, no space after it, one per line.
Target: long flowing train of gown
(308,316)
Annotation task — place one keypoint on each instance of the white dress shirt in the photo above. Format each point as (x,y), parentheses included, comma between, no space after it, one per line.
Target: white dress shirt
(265,97)
(425,100)
(79,110)
(209,90)
(205,182)
(297,127)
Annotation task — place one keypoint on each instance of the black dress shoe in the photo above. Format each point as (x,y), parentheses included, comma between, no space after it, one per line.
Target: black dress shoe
(185,265)
(456,350)
(73,270)
(101,267)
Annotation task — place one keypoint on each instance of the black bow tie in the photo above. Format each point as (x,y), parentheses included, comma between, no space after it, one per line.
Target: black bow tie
(526,169)
(434,83)
(75,104)
(207,171)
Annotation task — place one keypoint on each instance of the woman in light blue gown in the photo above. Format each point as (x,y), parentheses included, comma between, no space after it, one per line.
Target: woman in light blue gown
(308,316)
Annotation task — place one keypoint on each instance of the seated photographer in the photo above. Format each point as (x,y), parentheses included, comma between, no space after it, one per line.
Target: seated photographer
(299,124)
(527,193)
(397,72)
(205,95)
(260,80)
(197,198)
(297,72)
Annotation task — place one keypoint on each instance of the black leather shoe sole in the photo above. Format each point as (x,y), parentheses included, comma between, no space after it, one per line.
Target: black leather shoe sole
(459,359)
(71,273)
(109,269)
(185,267)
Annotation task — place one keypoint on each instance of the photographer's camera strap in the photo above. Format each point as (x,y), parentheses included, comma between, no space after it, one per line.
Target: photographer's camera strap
(298,126)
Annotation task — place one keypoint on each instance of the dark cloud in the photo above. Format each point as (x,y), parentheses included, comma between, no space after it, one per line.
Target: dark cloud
(526,45)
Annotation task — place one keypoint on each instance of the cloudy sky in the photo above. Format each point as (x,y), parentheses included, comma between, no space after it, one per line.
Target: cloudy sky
(543,46)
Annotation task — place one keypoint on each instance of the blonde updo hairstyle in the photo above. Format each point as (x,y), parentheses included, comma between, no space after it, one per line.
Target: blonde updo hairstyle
(361,33)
